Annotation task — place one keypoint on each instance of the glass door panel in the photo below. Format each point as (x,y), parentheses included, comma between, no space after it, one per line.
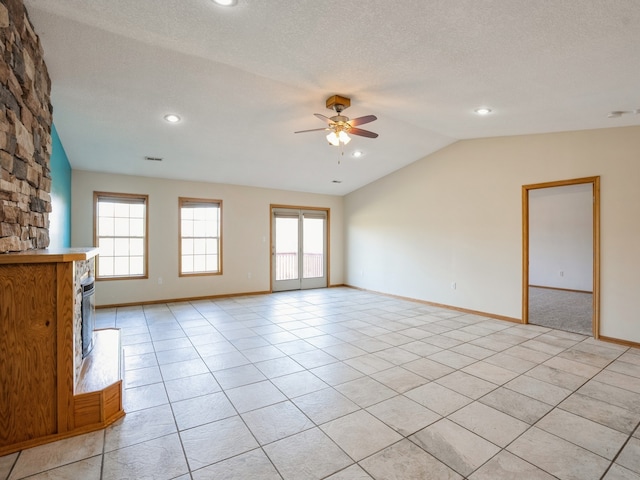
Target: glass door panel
(299,244)
(286,248)
(313,247)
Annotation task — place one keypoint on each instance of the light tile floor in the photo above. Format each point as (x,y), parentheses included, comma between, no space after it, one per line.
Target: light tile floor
(345,385)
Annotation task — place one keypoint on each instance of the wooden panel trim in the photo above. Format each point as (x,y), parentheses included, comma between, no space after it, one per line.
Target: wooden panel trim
(65,345)
(98,398)
(48,256)
(28,352)
(88,409)
(112,401)
(596,257)
(297,207)
(441,305)
(563,183)
(328,265)
(619,341)
(193,299)
(561,289)
(16,447)
(117,279)
(525,255)
(185,299)
(103,367)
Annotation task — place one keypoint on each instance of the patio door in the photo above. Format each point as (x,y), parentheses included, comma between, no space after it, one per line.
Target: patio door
(298,249)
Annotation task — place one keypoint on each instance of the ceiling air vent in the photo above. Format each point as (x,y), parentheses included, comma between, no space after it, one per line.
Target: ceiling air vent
(153,159)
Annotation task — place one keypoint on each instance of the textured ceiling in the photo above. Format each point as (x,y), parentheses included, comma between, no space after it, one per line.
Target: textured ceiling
(243,79)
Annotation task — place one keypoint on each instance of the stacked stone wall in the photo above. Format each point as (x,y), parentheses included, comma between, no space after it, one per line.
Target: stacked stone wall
(25,133)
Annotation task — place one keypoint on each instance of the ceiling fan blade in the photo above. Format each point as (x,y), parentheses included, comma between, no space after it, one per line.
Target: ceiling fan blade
(361,132)
(362,120)
(312,130)
(324,118)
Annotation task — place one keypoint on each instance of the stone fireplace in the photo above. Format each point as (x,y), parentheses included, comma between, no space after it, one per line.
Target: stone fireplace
(25,133)
(49,391)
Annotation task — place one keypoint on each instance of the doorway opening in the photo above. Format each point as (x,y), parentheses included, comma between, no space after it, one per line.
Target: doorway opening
(561,255)
(299,248)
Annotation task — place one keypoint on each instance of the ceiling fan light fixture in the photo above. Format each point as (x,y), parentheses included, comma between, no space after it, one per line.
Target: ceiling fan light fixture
(336,139)
(333,139)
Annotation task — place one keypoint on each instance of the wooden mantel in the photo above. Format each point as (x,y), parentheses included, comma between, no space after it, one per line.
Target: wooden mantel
(42,399)
(47,255)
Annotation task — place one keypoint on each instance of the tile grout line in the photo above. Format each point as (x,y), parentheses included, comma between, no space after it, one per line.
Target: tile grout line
(357,312)
(164,385)
(619,452)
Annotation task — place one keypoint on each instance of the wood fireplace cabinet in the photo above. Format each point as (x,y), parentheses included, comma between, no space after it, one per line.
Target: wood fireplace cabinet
(47,390)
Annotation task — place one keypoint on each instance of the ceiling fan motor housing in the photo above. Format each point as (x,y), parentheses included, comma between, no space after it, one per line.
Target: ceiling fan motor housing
(338,103)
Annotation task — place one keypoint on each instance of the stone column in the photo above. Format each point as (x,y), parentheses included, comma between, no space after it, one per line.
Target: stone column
(25,133)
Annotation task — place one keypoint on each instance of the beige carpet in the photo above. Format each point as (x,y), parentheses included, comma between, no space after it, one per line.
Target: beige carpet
(568,311)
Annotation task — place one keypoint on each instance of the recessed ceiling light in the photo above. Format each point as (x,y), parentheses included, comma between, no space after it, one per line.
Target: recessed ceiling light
(483,111)
(357,154)
(172,118)
(226,3)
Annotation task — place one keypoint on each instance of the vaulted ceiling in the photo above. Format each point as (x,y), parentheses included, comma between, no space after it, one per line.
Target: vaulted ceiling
(244,78)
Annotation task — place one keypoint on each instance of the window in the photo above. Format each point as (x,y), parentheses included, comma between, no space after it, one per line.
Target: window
(200,242)
(120,226)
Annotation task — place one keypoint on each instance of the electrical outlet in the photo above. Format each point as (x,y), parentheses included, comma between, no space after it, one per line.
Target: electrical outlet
(159,280)
(561,273)
(453,285)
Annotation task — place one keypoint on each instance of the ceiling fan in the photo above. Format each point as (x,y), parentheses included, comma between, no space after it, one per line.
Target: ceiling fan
(339,126)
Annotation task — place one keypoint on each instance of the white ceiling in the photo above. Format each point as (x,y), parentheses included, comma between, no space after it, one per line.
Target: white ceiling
(243,79)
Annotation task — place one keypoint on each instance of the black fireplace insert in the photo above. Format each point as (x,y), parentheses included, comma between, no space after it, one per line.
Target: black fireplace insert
(88,315)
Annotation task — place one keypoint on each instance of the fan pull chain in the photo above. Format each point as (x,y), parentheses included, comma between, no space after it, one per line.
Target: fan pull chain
(341,153)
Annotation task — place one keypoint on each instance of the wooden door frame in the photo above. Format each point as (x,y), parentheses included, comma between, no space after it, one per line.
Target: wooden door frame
(595,182)
(272,246)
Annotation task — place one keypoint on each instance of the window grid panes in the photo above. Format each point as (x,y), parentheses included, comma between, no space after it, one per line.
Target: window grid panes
(200,237)
(121,235)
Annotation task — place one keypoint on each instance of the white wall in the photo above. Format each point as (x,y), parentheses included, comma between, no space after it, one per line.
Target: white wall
(456,216)
(561,237)
(245,235)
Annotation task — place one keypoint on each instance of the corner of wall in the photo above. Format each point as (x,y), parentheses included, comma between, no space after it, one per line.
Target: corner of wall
(60,217)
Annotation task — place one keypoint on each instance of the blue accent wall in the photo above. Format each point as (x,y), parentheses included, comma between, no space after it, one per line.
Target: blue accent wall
(60,216)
